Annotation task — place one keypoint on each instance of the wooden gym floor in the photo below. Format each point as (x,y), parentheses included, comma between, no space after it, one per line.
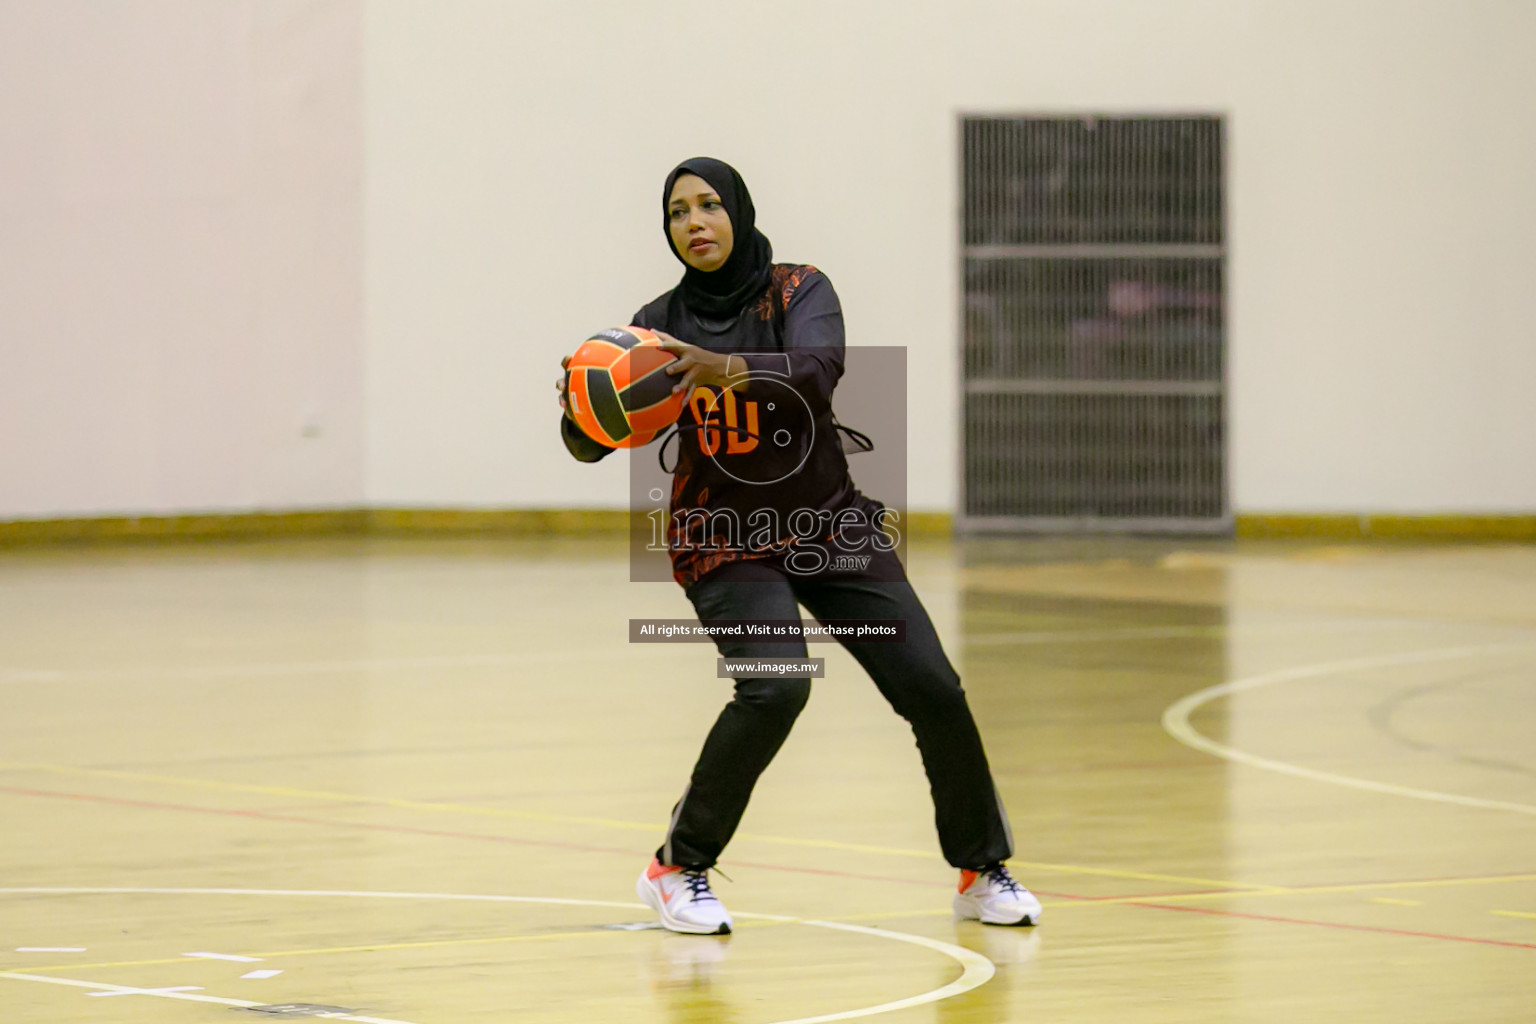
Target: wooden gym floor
(413,781)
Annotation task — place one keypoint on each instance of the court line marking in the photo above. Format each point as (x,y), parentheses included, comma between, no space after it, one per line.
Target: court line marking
(1176,722)
(124,990)
(1149,900)
(224,956)
(326,796)
(1087,901)
(1068,636)
(290,668)
(1142,899)
(1417,883)
(372,947)
(976,970)
(14,674)
(1341,926)
(342,823)
(1513,913)
(496,659)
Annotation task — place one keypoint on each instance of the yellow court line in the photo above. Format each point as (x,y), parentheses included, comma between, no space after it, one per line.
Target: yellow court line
(1048,905)
(317,794)
(1429,883)
(1111,901)
(1246,887)
(442,943)
(1303,890)
(372,948)
(883,915)
(118,963)
(1073,869)
(498,812)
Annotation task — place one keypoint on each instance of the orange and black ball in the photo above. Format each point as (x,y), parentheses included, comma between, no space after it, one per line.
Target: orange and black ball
(618,390)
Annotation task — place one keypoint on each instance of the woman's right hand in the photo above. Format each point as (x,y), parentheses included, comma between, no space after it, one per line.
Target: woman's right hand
(560,387)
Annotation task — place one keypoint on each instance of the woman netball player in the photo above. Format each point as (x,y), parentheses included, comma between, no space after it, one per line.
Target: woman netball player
(740,323)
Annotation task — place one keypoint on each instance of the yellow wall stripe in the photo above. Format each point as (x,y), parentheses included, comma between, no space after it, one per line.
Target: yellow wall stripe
(357,522)
(577,521)
(1388,527)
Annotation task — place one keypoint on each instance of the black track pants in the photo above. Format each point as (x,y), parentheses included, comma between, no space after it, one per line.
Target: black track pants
(915,676)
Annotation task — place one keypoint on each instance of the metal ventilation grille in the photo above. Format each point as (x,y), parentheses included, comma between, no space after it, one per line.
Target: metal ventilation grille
(1093,324)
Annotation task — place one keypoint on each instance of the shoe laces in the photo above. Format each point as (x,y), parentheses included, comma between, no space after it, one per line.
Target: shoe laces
(696,881)
(1000,877)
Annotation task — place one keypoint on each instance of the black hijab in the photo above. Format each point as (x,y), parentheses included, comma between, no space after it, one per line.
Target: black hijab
(722,293)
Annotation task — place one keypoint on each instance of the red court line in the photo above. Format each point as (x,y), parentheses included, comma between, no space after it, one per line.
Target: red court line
(156,805)
(1335,924)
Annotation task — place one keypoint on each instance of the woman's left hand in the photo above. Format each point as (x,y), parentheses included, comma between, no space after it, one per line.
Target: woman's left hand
(699,366)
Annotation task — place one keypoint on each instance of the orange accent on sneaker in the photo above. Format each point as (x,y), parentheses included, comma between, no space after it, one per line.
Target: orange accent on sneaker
(967,878)
(655,871)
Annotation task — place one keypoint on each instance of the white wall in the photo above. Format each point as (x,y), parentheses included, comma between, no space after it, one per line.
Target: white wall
(180,256)
(185,274)
(516,155)
(1383,336)
(1382,154)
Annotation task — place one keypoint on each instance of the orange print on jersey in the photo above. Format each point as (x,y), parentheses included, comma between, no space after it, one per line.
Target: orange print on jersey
(784,280)
(740,437)
(739,441)
(699,404)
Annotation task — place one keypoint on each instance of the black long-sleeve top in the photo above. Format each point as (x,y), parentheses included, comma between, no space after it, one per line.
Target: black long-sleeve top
(791,340)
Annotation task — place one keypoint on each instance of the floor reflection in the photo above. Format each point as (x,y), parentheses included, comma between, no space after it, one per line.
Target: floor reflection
(683,972)
(1011,950)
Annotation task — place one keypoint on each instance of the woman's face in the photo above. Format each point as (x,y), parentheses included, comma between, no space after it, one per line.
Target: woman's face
(700,227)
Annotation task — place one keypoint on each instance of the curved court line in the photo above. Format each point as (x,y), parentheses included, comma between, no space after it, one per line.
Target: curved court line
(976,970)
(1176,722)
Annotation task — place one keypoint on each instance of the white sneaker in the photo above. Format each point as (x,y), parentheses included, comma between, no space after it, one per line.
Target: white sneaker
(993,897)
(683,899)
